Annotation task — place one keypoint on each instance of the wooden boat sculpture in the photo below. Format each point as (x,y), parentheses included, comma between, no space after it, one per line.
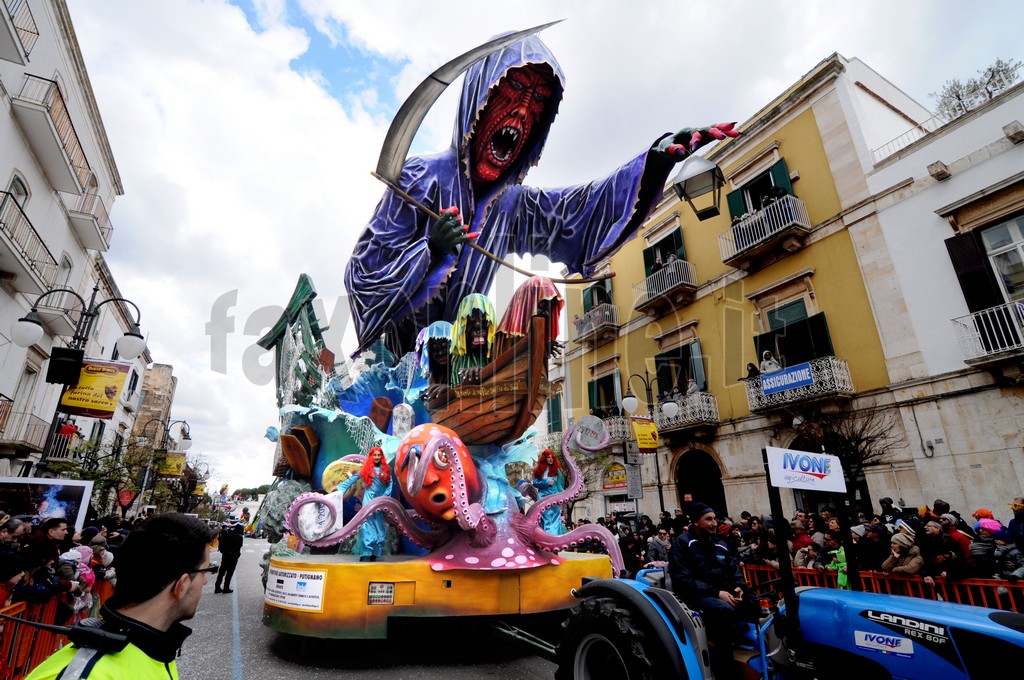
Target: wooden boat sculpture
(509,397)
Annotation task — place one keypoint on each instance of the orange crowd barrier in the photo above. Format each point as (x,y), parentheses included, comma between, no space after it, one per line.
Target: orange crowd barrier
(981,592)
(23,647)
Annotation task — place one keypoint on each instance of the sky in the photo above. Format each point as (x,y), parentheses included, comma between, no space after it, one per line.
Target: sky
(245,132)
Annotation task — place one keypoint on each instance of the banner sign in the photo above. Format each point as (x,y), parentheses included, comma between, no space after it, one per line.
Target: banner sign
(614,477)
(634,482)
(200,489)
(99,387)
(789,469)
(787,379)
(646,433)
(173,465)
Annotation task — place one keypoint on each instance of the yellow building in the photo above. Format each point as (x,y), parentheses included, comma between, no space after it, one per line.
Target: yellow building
(702,300)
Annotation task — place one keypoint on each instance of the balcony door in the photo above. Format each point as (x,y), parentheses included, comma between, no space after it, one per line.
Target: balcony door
(1004,244)
(23,395)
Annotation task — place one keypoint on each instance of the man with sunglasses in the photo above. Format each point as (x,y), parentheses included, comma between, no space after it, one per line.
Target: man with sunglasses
(162,568)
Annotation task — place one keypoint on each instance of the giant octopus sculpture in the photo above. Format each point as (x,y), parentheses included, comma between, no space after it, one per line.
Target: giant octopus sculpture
(439,480)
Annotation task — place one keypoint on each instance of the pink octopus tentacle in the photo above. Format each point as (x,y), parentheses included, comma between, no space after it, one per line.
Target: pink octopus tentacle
(291,518)
(468,515)
(578,535)
(394,513)
(353,458)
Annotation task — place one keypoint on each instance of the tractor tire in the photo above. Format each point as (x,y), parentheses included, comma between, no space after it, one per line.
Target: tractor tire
(602,641)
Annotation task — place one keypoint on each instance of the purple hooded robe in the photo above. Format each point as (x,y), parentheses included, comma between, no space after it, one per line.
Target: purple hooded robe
(396,287)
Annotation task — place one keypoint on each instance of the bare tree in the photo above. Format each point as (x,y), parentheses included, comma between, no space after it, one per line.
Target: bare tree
(958,97)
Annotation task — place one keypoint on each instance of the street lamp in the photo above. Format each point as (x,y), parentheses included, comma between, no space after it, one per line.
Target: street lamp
(698,176)
(186,444)
(28,330)
(670,409)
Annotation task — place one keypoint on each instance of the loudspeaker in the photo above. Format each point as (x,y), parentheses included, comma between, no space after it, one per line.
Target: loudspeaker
(65,365)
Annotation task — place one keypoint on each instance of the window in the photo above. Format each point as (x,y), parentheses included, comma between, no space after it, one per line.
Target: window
(96,435)
(19,191)
(118,444)
(758,192)
(555,413)
(1004,244)
(796,341)
(670,245)
(133,383)
(790,312)
(604,395)
(598,294)
(675,367)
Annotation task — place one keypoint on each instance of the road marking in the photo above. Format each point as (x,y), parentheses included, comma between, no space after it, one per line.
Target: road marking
(236,643)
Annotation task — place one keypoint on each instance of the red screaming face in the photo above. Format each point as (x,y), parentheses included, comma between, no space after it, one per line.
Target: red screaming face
(513,107)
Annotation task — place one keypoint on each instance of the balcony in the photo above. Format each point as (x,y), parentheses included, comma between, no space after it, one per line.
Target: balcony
(25,262)
(781,227)
(90,222)
(992,335)
(598,326)
(24,433)
(619,429)
(671,287)
(44,118)
(830,378)
(132,400)
(695,410)
(18,31)
(6,403)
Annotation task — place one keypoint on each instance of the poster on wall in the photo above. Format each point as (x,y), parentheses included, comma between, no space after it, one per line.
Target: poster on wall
(41,499)
(99,387)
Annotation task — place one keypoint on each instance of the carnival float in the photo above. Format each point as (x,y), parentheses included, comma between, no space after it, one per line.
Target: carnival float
(392,496)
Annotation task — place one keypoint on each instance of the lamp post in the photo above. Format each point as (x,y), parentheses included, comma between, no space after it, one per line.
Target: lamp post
(186,444)
(670,409)
(698,176)
(28,330)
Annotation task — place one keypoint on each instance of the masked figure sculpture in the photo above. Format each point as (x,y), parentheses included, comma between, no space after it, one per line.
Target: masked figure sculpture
(536,297)
(408,269)
(472,337)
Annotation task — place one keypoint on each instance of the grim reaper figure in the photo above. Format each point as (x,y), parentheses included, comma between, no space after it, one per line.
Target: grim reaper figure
(409,269)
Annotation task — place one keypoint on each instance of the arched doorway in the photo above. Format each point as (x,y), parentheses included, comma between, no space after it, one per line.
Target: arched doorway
(699,479)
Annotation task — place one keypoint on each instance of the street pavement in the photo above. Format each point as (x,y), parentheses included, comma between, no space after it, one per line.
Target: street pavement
(229,642)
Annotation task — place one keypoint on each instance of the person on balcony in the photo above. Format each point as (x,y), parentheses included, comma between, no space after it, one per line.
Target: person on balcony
(769,364)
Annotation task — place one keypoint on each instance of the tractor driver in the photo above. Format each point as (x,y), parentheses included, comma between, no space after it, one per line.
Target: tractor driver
(706,575)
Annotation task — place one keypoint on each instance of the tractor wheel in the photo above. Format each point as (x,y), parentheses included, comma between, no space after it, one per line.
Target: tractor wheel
(601,640)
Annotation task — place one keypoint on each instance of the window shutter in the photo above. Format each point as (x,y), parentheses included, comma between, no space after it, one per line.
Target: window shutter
(588,299)
(821,341)
(981,291)
(648,260)
(608,289)
(663,370)
(592,394)
(555,413)
(737,206)
(780,175)
(697,365)
(677,243)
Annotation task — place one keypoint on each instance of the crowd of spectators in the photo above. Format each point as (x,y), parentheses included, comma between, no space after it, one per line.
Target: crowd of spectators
(929,542)
(42,560)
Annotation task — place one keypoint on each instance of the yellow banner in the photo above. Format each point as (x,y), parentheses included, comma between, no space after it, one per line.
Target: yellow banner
(98,389)
(646,434)
(173,465)
(614,477)
(200,489)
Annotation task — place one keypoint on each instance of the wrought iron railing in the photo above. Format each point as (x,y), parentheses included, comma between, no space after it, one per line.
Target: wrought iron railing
(762,225)
(46,93)
(601,316)
(830,378)
(670,277)
(27,429)
(92,204)
(696,409)
(996,84)
(24,23)
(19,229)
(6,403)
(991,331)
(619,429)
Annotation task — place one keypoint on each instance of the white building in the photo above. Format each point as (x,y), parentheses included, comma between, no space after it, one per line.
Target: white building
(943,259)
(58,180)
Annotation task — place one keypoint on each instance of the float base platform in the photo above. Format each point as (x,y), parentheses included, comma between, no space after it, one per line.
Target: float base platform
(337,596)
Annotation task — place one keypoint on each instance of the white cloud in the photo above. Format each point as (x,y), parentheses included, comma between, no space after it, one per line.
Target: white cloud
(240,172)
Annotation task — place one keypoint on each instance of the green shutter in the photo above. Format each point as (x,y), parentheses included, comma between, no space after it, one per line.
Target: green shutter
(737,206)
(821,341)
(592,394)
(648,260)
(663,370)
(697,366)
(780,176)
(555,413)
(588,299)
(677,243)
(608,289)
